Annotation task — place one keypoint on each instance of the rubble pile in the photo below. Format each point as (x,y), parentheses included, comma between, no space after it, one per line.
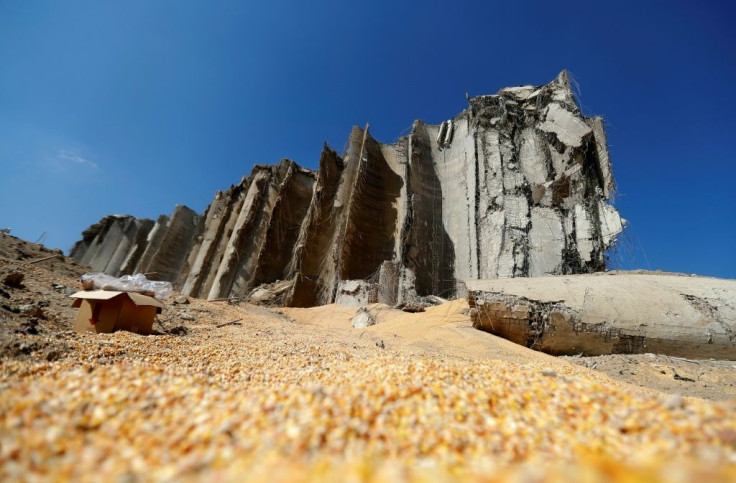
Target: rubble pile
(516,185)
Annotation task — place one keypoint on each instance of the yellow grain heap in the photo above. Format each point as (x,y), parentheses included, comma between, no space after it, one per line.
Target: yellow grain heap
(264,402)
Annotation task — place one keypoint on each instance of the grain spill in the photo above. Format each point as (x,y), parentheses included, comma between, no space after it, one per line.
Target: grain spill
(274,400)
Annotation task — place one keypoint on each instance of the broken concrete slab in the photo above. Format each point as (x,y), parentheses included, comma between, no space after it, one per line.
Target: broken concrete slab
(356,293)
(270,294)
(613,312)
(569,128)
(546,233)
(363,319)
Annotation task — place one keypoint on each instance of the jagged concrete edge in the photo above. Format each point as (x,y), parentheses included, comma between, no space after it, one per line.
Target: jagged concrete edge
(596,314)
(507,218)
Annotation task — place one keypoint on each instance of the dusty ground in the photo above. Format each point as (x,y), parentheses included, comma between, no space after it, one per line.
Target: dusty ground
(446,331)
(225,391)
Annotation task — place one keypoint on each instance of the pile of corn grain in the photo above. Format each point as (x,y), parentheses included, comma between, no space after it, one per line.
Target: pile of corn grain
(260,402)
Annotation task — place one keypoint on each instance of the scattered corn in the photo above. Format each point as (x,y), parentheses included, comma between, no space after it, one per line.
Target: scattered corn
(259,402)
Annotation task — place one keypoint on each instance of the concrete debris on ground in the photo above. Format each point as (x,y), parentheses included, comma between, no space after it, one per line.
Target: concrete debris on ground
(611,313)
(516,185)
(363,319)
(181,300)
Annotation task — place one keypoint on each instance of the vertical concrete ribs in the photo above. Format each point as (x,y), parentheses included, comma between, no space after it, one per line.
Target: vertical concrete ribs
(516,185)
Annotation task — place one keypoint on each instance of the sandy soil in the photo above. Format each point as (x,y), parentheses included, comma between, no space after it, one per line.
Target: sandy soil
(446,331)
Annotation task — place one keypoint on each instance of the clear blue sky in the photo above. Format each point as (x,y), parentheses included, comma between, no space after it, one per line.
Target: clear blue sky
(135,106)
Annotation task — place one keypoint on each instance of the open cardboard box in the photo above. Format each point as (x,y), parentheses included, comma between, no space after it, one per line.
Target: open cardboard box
(103,311)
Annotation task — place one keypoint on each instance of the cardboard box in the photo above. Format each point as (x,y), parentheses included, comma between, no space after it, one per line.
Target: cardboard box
(103,311)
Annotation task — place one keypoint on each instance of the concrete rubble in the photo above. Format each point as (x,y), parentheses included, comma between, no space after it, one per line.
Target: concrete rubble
(363,319)
(611,313)
(516,185)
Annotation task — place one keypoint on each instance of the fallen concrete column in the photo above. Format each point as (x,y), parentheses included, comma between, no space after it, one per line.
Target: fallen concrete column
(270,294)
(356,293)
(608,313)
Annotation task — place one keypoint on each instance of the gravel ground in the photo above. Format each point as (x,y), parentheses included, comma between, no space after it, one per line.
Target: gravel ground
(244,392)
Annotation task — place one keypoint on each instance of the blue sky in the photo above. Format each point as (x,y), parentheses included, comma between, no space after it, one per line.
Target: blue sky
(132,107)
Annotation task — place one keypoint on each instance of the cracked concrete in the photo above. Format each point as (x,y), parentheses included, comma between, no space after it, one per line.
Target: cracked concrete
(516,185)
(613,312)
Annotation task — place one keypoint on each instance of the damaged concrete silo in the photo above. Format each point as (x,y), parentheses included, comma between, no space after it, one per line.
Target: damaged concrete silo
(516,185)
(260,247)
(206,255)
(114,244)
(312,284)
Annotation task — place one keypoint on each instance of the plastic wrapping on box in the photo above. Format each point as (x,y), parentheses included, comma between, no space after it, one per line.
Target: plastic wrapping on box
(126,283)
